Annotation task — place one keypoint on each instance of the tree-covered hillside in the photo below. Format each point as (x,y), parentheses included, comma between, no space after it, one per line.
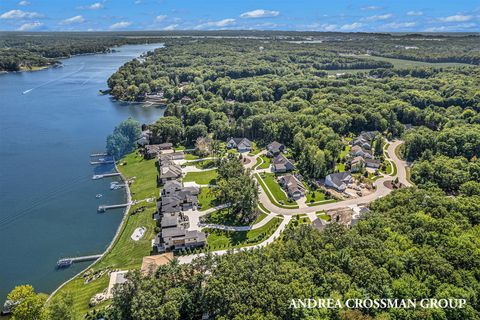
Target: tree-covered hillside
(415,244)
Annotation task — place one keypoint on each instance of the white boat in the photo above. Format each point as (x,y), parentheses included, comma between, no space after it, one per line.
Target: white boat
(99,195)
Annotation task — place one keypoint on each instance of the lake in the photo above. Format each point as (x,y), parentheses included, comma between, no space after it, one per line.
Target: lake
(51,121)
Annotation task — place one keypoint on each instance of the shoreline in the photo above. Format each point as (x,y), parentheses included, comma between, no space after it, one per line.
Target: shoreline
(111,244)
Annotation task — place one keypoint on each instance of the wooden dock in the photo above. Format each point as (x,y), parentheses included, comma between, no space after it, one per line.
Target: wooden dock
(104,208)
(102,162)
(106,175)
(66,262)
(98,154)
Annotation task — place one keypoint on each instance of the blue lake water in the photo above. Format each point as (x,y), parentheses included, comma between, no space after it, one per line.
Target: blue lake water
(48,207)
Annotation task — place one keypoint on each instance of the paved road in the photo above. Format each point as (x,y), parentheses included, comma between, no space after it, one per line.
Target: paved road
(401,165)
(257,225)
(273,237)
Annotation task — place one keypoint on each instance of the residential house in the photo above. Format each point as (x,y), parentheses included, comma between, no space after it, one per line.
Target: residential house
(173,219)
(357,164)
(338,180)
(150,264)
(169,171)
(178,238)
(357,151)
(275,148)
(372,163)
(145,138)
(241,144)
(364,140)
(165,146)
(186,100)
(294,187)
(179,201)
(281,164)
(150,151)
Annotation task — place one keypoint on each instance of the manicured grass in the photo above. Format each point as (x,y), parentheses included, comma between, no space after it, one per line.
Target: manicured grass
(274,187)
(312,204)
(203,177)
(315,196)
(190,156)
(219,239)
(266,162)
(340,167)
(260,217)
(204,164)
(323,216)
(206,198)
(179,148)
(263,207)
(126,253)
(270,196)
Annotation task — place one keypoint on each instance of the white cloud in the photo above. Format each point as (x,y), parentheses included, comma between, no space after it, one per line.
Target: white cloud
(400,25)
(19,14)
(120,25)
(456,18)
(73,20)
(379,17)
(329,27)
(30,26)
(24,3)
(351,26)
(160,18)
(260,13)
(414,13)
(457,27)
(93,6)
(221,23)
(372,8)
(171,27)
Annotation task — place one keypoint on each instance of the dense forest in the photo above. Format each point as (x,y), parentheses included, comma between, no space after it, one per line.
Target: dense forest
(26,51)
(414,244)
(278,90)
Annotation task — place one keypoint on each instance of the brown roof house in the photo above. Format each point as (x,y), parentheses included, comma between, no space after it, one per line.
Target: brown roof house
(357,164)
(281,164)
(150,264)
(169,171)
(294,187)
(275,148)
(241,144)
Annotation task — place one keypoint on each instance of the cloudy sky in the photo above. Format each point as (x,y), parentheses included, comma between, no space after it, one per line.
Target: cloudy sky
(313,15)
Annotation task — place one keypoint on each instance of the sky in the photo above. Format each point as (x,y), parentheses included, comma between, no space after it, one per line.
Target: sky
(302,15)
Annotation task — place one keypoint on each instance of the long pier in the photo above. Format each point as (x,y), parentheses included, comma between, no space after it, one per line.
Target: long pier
(100,176)
(104,208)
(102,162)
(98,154)
(66,262)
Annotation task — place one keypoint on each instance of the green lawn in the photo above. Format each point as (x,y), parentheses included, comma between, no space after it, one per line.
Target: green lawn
(204,164)
(203,177)
(323,216)
(315,196)
(206,198)
(219,239)
(263,208)
(190,156)
(277,188)
(126,253)
(344,152)
(266,162)
(340,167)
(224,217)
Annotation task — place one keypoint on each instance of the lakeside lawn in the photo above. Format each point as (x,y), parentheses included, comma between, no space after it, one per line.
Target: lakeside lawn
(206,199)
(203,177)
(125,254)
(219,239)
(224,217)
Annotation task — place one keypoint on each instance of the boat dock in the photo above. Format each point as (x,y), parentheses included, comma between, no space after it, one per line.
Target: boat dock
(102,162)
(98,154)
(104,208)
(66,262)
(106,175)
